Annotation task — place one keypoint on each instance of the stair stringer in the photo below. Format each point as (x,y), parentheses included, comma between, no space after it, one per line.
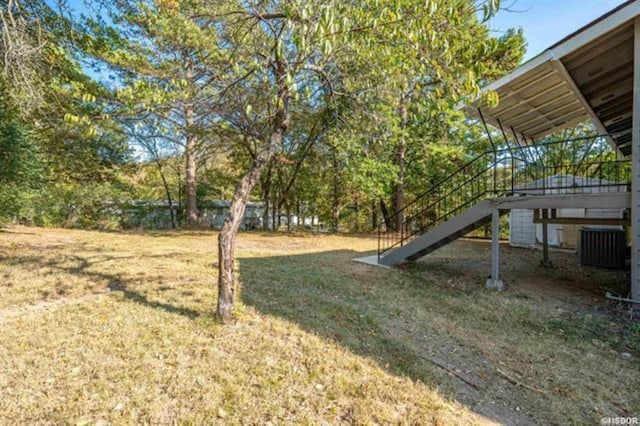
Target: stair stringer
(459,225)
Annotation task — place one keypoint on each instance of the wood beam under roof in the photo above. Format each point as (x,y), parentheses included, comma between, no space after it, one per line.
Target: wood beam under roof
(585,104)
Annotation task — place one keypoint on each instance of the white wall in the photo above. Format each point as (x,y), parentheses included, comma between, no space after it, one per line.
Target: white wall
(522,230)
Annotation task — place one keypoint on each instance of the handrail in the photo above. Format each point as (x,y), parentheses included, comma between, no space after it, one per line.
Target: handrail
(504,173)
(438,184)
(440,199)
(486,153)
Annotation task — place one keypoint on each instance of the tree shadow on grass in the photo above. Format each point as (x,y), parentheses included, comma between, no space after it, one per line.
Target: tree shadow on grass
(142,299)
(305,289)
(79,265)
(397,319)
(360,307)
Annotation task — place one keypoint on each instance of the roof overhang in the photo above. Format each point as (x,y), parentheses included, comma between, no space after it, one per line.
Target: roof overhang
(588,75)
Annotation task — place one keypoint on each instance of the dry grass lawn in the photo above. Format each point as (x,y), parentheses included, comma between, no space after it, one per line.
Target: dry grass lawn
(117,328)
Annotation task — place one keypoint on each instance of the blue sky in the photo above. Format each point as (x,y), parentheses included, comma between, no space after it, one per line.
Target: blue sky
(548,21)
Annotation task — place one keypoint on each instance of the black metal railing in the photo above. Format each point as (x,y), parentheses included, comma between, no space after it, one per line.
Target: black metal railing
(580,165)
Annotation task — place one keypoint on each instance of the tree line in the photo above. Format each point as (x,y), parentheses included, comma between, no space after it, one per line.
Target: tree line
(345,108)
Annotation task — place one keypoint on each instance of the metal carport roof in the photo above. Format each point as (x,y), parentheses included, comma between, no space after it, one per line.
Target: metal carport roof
(587,75)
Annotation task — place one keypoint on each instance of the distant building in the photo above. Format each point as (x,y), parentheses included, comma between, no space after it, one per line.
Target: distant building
(157,215)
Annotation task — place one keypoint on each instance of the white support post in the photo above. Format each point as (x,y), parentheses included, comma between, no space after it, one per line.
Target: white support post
(494,282)
(635,170)
(545,263)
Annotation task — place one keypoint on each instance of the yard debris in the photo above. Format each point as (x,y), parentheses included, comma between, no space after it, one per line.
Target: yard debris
(620,407)
(518,383)
(453,373)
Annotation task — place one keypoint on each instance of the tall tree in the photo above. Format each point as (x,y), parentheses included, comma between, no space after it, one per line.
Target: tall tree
(255,71)
(164,59)
(294,55)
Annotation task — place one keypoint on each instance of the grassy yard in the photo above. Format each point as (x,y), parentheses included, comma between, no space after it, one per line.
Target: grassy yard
(117,328)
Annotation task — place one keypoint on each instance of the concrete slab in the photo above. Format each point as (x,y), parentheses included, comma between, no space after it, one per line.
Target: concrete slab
(371,261)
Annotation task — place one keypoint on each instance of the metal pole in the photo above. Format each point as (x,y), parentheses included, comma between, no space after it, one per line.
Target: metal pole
(493,146)
(525,156)
(486,128)
(506,140)
(504,136)
(545,244)
(525,151)
(535,148)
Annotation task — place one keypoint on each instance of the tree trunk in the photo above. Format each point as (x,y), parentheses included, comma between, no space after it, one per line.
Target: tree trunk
(190,154)
(265,215)
(274,216)
(179,176)
(385,214)
(374,215)
(278,216)
(398,193)
(167,192)
(335,209)
(288,218)
(229,231)
(398,196)
(266,192)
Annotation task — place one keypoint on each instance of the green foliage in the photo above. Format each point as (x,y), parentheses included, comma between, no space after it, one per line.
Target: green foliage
(71,142)
(20,163)
(20,158)
(349,82)
(78,205)
(408,84)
